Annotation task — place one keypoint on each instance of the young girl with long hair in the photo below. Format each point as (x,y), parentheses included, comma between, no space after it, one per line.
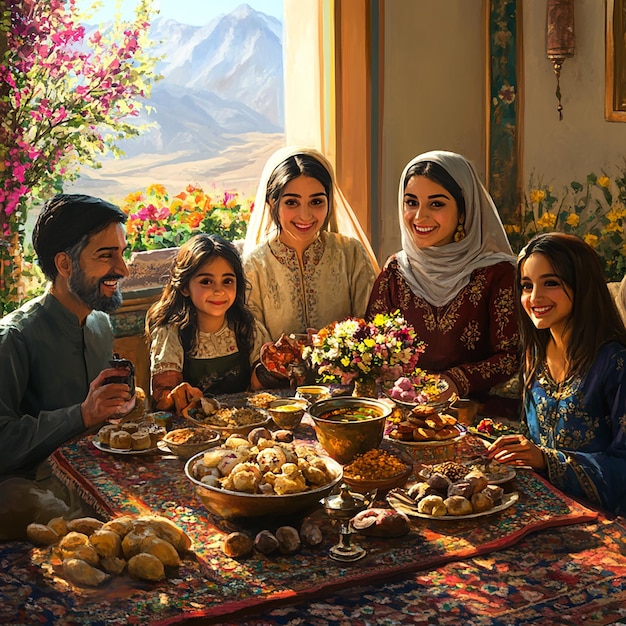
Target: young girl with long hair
(204,339)
(573,373)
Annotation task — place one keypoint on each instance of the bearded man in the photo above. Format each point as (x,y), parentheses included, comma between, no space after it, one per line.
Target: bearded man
(55,349)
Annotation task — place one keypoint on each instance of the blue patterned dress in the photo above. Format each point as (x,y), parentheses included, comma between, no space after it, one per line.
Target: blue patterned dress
(580,424)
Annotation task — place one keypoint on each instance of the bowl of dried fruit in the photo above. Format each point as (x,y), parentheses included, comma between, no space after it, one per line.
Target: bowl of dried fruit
(208,413)
(185,442)
(383,468)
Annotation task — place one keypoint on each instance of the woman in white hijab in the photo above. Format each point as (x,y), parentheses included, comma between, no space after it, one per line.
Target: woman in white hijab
(453,279)
(305,255)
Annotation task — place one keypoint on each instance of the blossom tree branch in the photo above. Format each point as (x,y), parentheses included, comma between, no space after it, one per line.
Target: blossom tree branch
(66,98)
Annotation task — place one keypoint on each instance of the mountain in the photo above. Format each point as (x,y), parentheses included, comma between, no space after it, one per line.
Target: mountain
(222,87)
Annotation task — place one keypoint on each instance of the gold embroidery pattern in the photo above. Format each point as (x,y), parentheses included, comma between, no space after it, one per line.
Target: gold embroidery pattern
(504,308)
(476,288)
(471,335)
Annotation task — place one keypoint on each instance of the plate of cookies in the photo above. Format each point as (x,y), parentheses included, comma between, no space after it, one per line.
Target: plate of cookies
(129,438)
(424,425)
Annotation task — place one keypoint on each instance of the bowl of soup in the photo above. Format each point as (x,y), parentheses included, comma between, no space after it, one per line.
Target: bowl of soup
(348,426)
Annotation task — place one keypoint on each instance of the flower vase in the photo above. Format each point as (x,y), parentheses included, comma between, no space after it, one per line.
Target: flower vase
(366,388)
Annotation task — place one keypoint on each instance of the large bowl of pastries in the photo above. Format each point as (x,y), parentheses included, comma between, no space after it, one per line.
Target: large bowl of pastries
(258,476)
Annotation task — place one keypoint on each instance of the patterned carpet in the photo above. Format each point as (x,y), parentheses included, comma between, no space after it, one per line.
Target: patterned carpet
(442,572)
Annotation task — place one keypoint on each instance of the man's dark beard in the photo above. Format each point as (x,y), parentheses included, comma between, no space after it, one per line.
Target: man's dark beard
(89,292)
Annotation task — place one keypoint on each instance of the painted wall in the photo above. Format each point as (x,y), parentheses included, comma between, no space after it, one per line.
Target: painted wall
(562,151)
(434,92)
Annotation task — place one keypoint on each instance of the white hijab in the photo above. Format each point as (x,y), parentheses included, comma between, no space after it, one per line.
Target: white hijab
(261,227)
(437,274)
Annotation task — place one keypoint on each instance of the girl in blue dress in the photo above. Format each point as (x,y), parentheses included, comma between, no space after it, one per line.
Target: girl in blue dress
(573,373)
(204,339)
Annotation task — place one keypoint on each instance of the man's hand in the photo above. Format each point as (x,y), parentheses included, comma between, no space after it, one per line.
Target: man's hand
(106,402)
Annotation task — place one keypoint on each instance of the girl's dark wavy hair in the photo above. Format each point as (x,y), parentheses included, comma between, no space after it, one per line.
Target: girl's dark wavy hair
(594,319)
(440,175)
(175,308)
(292,167)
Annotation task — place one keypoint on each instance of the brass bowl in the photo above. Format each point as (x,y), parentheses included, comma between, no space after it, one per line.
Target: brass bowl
(384,484)
(343,440)
(313,393)
(234,504)
(287,413)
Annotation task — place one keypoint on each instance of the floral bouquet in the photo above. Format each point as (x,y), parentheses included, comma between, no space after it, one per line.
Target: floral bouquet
(355,350)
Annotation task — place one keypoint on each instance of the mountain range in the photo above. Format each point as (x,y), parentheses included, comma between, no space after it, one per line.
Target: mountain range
(215,115)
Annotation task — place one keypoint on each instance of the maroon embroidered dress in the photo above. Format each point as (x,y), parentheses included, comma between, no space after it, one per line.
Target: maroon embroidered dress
(473,339)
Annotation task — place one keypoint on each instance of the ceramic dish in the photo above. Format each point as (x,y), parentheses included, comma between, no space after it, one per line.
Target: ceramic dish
(185,442)
(105,448)
(496,473)
(400,505)
(195,416)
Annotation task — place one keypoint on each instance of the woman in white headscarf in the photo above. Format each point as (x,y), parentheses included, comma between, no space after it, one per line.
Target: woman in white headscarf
(306,257)
(453,279)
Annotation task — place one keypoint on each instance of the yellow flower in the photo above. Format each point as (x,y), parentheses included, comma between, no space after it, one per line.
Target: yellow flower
(512,228)
(573,220)
(547,220)
(616,213)
(592,240)
(537,195)
(157,190)
(613,227)
(604,181)
(132,198)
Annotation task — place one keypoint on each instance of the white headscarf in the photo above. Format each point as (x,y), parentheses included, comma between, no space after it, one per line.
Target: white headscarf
(437,274)
(262,228)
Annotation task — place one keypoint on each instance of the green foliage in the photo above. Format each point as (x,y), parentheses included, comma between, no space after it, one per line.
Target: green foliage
(594,210)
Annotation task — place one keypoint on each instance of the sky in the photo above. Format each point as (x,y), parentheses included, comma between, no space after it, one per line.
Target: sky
(194,12)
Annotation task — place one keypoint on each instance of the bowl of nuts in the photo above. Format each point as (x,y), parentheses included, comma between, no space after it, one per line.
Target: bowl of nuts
(185,442)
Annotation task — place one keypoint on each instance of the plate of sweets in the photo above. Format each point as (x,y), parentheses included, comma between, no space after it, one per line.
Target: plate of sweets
(491,429)
(451,491)
(496,473)
(418,389)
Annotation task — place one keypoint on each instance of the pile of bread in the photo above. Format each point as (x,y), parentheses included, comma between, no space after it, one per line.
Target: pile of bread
(424,423)
(91,551)
(131,435)
(450,489)
(259,463)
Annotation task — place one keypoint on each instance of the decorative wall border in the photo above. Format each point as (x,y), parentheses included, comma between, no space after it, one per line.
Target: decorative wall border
(503,157)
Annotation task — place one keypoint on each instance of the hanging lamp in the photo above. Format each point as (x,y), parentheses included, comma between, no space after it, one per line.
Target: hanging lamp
(560,41)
